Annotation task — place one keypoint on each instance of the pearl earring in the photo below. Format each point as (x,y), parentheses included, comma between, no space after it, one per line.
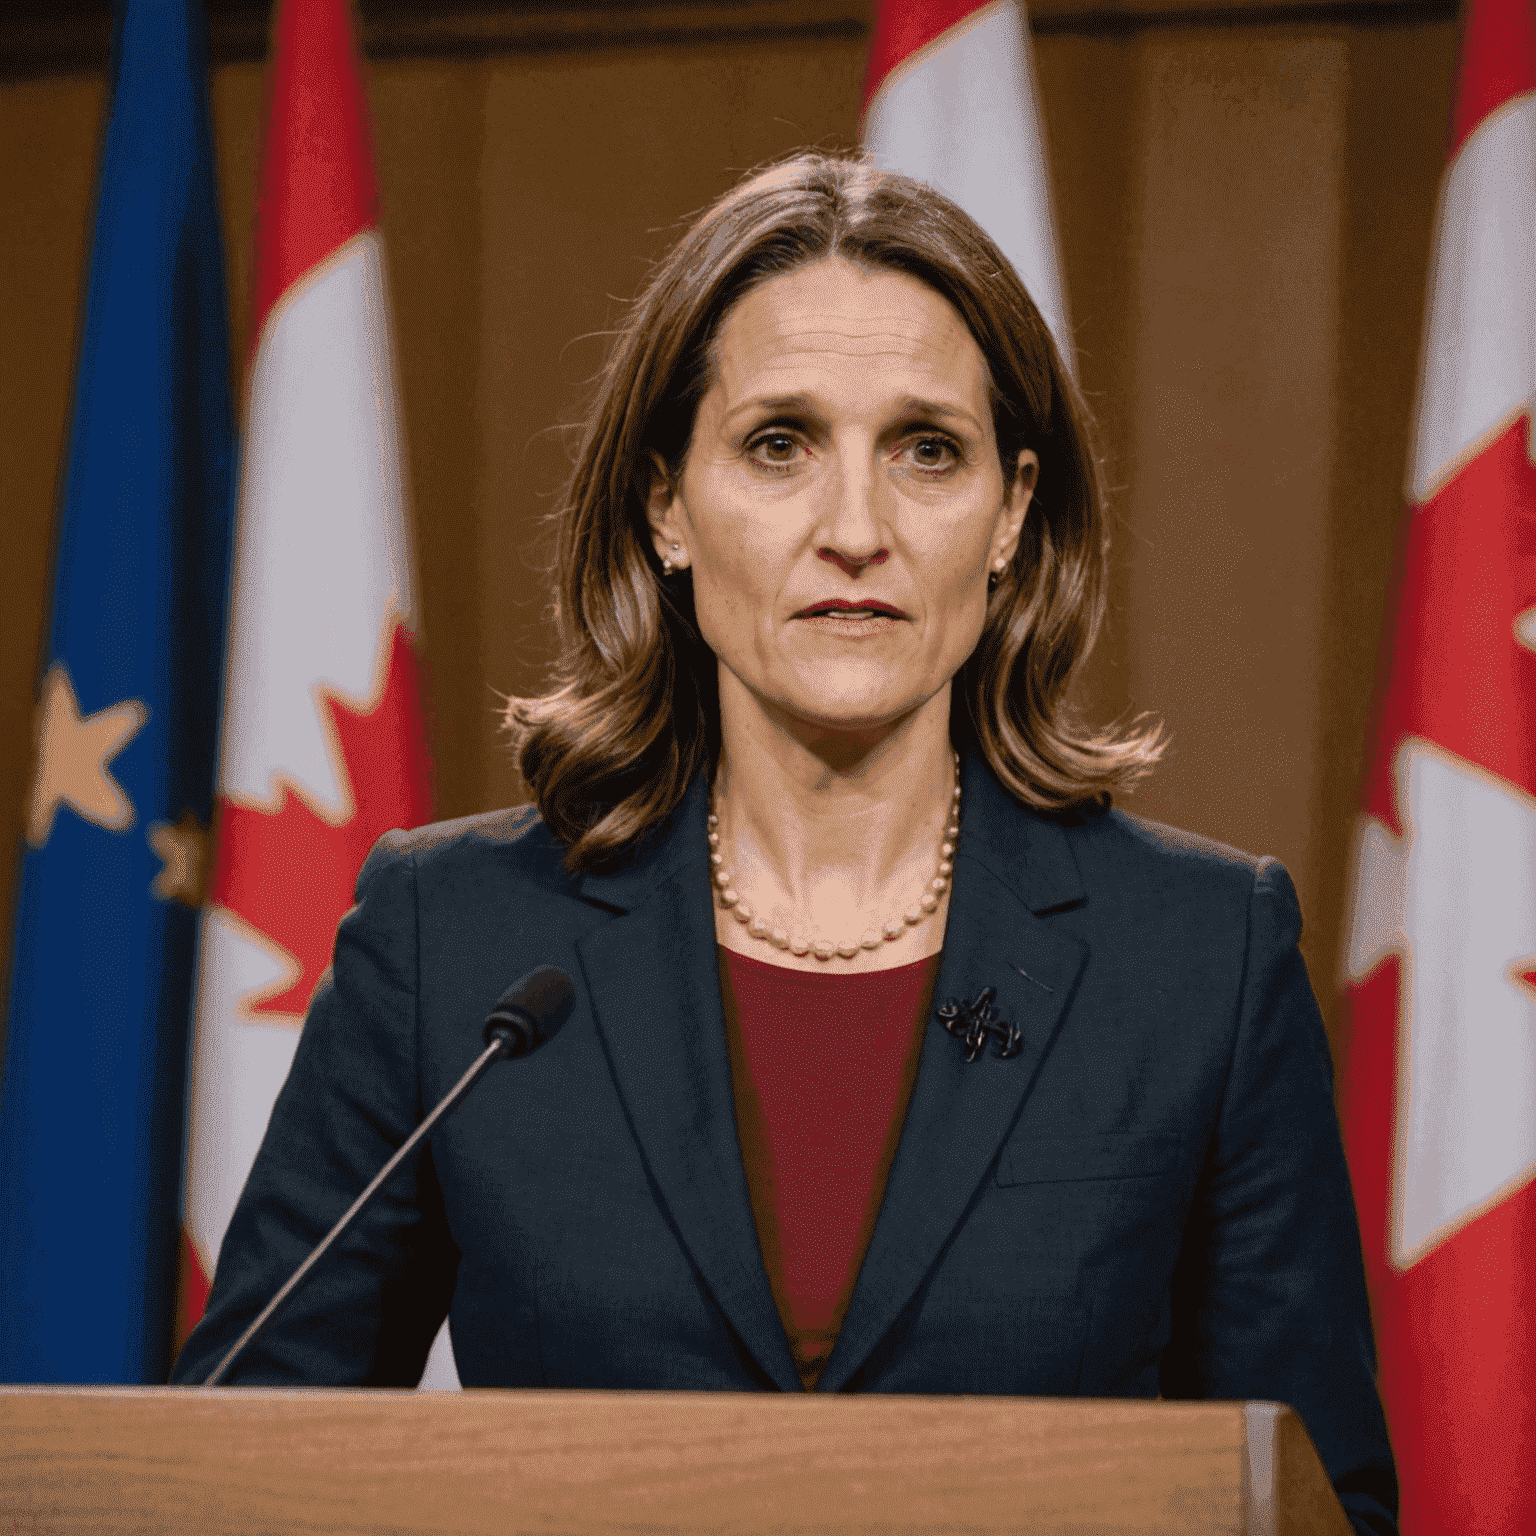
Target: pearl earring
(667,568)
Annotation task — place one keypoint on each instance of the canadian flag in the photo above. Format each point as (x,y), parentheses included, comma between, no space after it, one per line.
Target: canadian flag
(950,99)
(323,747)
(1440,1088)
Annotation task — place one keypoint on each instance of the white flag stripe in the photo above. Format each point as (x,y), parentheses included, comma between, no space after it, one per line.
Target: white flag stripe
(321,557)
(1454,898)
(1479,364)
(962,115)
(237,1067)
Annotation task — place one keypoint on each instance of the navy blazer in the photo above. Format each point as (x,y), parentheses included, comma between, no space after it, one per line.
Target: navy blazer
(1150,1198)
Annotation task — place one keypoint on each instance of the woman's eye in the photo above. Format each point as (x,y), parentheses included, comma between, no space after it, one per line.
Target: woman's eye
(775,448)
(933,452)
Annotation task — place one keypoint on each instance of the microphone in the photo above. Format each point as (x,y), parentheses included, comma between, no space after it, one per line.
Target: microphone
(529,1013)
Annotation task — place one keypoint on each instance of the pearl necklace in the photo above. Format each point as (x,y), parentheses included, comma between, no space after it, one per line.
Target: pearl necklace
(824,949)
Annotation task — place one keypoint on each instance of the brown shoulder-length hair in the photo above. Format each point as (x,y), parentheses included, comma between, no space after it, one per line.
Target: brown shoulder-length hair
(633,713)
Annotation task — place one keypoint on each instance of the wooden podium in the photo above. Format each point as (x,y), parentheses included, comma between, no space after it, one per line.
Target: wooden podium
(177,1460)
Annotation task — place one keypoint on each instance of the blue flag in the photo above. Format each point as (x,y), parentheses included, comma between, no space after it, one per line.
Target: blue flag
(106,926)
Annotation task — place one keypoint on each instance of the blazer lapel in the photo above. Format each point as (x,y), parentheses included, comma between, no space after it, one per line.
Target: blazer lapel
(653,979)
(1009,866)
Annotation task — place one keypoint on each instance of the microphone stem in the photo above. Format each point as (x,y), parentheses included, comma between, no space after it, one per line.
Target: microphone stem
(498,1047)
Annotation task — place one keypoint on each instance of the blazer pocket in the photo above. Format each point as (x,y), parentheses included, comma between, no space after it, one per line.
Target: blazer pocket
(1064,1159)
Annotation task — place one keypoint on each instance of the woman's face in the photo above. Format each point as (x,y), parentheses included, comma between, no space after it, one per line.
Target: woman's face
(842,502)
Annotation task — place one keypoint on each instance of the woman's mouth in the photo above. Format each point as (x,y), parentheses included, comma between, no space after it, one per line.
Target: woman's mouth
(852,621)
(850,612)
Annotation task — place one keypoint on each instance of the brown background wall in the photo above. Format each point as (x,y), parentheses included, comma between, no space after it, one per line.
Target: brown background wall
(1245,196)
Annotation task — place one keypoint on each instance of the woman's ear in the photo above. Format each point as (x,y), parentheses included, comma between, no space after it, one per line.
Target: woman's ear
(1015,508)
(661,513)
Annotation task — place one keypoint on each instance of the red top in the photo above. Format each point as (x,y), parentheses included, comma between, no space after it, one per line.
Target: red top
(822,1066)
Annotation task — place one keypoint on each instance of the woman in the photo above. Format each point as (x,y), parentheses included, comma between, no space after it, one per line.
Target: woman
(899,1062)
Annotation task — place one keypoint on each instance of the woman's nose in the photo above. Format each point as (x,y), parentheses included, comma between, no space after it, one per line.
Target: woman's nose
(849,565)
(853,536)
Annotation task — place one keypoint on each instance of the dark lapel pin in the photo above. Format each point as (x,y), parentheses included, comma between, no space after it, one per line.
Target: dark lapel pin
(972,1022)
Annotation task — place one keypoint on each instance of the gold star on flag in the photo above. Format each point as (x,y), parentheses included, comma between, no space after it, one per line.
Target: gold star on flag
(183,851)
(73,757)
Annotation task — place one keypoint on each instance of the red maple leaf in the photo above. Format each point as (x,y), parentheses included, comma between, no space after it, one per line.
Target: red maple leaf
(289,872)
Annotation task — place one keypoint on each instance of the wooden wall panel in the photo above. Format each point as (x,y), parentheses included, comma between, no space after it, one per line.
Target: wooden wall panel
(1237,206)
(1088,85)
(430,118)
(1398,116)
